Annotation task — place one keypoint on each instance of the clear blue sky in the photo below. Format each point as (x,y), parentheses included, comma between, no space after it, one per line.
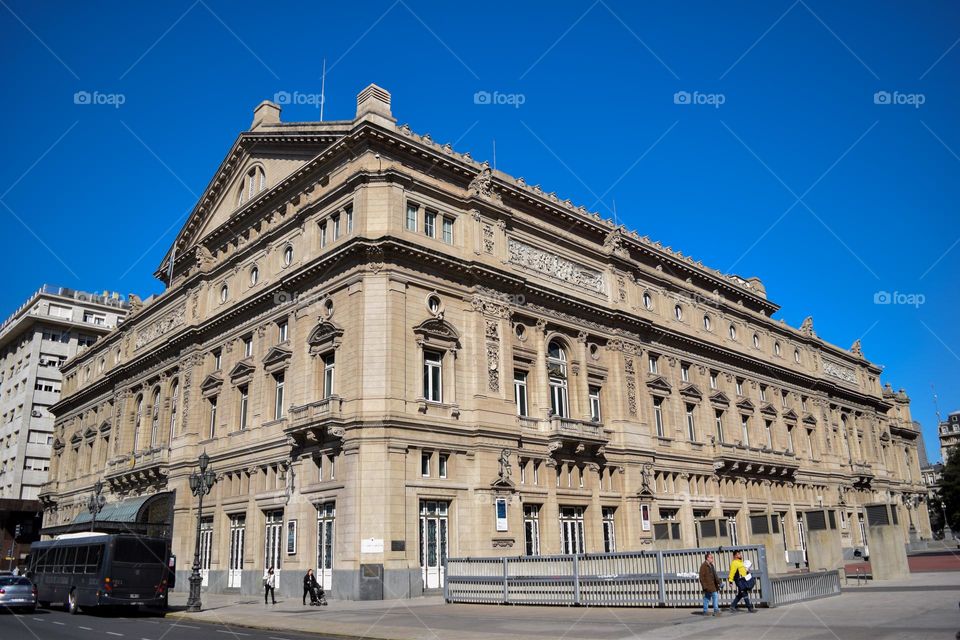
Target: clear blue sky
(798,177)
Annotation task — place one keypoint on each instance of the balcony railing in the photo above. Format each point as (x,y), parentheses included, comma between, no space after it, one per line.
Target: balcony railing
(306,414)
(753,461)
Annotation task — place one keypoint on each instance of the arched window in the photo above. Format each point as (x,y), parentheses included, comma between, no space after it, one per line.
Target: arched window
(733,332)
(707,323)
(756,341)
(678,312)
(224,293)
(557,373)
(155,418)
(288,255)
(776,348)
(254,275)
(796,356)
(174,393)
(253,183)
(137,422)
(647,301)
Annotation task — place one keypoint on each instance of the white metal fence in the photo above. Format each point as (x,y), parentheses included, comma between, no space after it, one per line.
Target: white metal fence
(646,578)
(804,586)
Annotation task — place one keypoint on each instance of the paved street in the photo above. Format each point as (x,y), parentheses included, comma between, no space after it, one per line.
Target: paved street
(923,606)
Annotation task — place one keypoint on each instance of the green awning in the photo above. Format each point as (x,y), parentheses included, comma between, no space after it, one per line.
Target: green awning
(125,511)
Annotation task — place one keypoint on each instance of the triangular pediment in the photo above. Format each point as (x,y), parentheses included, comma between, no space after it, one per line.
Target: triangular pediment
(767,409)
(212,381)
(809,419)
(242,369)
(279,154)
(105,426)
(89,432)
(76,438)
(658,383)
(719,397)
(790,414)
(691,391)
(276,355)
(746,405)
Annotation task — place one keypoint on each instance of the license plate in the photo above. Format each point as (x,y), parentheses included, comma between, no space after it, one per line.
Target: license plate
(134,596)
(20,600)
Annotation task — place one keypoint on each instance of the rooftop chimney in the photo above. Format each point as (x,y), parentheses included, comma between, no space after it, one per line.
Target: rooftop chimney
(374,100)
(266,113)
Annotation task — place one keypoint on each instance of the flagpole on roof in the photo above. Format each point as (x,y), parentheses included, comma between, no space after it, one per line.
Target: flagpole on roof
(323,83)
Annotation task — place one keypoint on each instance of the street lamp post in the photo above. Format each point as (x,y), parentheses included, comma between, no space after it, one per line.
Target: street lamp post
(95,503)
(201,482)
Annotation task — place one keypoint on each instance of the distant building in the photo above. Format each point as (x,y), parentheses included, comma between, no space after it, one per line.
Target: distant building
(932,474)
(949,434)
(52,326)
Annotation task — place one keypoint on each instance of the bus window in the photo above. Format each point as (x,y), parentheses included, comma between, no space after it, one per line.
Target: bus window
(94,558)
(70,560)
(58,561)
(134,550)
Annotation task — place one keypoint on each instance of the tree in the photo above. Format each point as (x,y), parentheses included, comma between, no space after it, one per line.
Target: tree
(950,489)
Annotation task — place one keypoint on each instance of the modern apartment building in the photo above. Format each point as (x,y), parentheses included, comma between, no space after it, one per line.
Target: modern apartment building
(393,353)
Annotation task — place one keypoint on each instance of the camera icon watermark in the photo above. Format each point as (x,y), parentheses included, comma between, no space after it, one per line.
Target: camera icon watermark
(515,100)
(714,100)
(915,100)
(899,298)
(96,98)
(284,297)
(297,97)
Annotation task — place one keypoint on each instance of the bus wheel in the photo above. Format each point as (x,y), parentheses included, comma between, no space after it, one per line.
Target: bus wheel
(72,607)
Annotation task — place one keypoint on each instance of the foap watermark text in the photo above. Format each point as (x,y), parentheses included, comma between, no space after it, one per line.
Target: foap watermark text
(915,100)
(898,297)
(115,100)
(515,100)
(714,100)
(298,97)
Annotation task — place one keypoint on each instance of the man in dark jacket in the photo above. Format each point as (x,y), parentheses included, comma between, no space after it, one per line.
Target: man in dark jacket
(710,582)
(310,586)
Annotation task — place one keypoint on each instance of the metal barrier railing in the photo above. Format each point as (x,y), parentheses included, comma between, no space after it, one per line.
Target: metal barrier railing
(646,578)
(804,586)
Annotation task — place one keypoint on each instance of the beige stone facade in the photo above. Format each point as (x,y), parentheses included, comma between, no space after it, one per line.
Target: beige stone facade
(392,354)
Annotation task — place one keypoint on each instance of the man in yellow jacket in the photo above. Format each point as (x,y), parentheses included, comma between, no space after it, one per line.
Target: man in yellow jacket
(738,573)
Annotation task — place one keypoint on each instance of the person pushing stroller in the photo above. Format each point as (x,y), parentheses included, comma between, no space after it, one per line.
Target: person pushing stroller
(312,587)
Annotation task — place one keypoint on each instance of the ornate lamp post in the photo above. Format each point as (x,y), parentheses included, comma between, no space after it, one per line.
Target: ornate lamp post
(95,503)
(201,482)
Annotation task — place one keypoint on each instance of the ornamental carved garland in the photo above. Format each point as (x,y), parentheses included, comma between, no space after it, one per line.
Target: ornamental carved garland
(554,266)
(488,242)
(631,386)
(161,327)
(493,355)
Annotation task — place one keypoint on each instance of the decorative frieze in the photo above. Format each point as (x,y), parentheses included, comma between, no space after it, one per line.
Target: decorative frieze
(554,266)
(161,327)
(840,372)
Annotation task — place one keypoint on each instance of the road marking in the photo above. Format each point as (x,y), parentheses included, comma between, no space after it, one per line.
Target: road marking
(85,628)
(39,619)
(235,633)
(277,638)
(183,626)
(113,633)
(59,623)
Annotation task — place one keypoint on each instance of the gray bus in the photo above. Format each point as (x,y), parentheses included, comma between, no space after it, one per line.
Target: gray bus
(101,570)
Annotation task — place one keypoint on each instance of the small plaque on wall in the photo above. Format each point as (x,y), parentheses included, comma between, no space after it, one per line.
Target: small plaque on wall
(398,545)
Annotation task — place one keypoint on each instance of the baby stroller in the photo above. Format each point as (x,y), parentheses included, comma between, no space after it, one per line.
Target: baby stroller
(317,596)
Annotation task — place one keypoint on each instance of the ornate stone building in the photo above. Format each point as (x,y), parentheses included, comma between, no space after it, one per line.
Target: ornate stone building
(393,353)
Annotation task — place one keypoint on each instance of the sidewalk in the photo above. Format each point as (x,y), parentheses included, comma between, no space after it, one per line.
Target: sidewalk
(923,606)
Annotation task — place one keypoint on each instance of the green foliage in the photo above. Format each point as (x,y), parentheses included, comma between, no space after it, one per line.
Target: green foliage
(950,489)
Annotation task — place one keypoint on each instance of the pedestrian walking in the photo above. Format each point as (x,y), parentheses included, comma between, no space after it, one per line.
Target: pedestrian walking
(710,582)
(269,585)
(738,577)
(313,588)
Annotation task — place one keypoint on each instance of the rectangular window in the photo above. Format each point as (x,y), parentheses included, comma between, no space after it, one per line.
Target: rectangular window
(217,359)
(783,399)
(244,403)
(685,372)
(658,415)
(323,234)
(336,227)
(430,224)
(609,529)
(329,365)
(432,376)
(645,517)
(213,416)
(278,409)
(248,346)
(442,465)
(691,425)
(425,457)
(282,331)
(531,529)
(595,404)
(536,472)
(803,403)
(745,424)
(448,230)
(719,423)
(501,513)
(520,391)
(763,394)
(739,387)
(652,363)
(348,212)
(713,379)
(790,442)
(412,213)
(769,426)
